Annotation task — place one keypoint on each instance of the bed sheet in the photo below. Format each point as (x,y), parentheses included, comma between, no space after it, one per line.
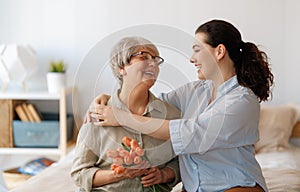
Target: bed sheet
(281,169)
(55,178)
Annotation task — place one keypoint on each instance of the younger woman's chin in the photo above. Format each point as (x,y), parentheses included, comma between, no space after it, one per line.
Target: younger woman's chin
(201,77)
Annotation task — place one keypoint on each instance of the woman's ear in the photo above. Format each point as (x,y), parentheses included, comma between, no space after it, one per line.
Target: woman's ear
(122,72)
(220,51)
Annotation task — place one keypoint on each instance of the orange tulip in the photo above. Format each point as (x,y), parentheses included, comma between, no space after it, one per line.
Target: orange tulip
(126,140)
(134,144)
(113,166)
(119,170)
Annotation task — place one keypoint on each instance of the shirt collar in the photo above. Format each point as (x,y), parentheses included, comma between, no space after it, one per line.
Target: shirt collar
(116,102)
(227,86)
(153,104)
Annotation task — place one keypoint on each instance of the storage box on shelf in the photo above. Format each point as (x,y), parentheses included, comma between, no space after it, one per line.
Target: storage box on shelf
(40,134)
(9,100)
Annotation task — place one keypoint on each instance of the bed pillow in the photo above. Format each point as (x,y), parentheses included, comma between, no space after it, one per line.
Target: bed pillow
(275,127)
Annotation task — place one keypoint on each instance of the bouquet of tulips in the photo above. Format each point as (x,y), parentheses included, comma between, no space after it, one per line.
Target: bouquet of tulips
(129,155)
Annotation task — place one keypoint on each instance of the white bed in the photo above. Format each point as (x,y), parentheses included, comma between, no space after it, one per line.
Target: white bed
(281,170)
(55,178)
(280,161)
(278,158)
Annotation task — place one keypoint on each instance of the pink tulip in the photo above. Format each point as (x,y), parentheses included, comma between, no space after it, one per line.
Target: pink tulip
(118,160)
(137,160)
(112,153)
(123,153)
(132,154)
(128,160)
(140,151)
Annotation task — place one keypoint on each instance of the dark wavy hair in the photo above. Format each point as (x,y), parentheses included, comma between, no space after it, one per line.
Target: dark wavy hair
(251,64)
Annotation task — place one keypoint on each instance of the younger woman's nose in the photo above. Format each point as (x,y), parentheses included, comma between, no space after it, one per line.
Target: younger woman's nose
(192,60)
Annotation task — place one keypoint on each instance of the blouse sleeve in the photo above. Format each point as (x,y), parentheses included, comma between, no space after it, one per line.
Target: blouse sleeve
(83,168)
(182,96)
(171,98)
(231,123)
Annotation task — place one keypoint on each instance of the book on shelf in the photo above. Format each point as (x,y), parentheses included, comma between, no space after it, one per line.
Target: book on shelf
(21,113)
(34,113)
(28,113)
(25,108)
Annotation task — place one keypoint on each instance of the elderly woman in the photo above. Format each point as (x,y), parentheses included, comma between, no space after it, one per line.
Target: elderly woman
(135,62)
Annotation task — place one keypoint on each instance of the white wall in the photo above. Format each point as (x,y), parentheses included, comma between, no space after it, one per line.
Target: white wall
(69,29)
(291,65)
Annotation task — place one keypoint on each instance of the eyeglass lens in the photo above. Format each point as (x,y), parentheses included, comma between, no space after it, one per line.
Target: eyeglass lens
(147,56)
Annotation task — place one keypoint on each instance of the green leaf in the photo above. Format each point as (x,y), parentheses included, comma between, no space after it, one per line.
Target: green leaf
(57,67)
(125,147)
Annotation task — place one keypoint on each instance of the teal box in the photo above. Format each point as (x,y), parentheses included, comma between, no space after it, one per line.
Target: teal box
(43,134)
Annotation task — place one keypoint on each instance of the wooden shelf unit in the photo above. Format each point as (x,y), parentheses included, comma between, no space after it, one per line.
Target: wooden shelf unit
(63,143)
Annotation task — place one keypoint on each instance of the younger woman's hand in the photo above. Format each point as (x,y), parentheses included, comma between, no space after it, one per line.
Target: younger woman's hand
(107,115)
(92,113)
(100,100)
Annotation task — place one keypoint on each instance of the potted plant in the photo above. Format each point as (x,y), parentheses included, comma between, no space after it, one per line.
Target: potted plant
(56,76)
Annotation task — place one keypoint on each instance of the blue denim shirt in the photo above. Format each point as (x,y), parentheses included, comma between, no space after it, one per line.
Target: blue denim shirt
(215,142)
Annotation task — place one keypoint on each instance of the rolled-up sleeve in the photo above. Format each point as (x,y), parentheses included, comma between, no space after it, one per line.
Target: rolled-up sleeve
(221,127)
(175,136)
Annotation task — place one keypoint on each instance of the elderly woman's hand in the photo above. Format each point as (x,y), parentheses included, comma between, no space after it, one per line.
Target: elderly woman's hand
(132,173)
(152,177)
(157,176)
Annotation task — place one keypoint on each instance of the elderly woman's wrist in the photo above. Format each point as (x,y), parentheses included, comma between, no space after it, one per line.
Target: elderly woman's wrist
(168,175)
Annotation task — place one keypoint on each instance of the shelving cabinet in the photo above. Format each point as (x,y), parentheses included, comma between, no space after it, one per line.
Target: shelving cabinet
(61,97)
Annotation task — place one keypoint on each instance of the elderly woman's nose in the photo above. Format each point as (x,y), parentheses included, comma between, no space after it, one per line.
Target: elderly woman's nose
(152,63)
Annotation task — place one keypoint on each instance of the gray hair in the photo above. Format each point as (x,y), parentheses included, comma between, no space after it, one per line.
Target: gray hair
(121,52)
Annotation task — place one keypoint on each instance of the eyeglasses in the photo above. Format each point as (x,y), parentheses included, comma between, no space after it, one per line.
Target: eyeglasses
(146,56)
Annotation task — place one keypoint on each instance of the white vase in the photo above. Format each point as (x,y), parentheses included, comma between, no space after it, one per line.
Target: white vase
(55,82)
